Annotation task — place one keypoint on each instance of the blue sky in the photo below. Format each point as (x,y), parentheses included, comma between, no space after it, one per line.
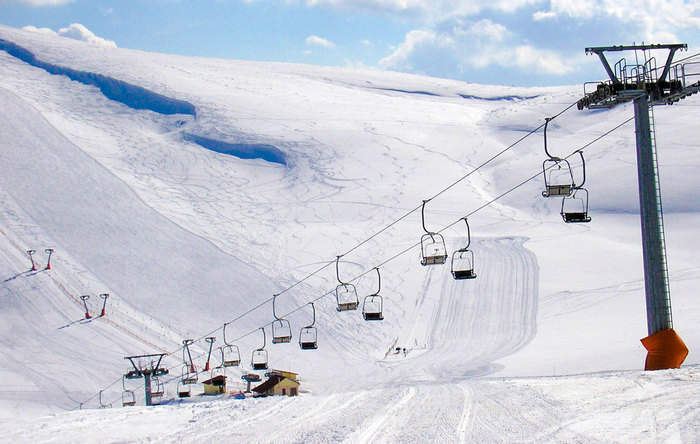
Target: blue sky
(508,42)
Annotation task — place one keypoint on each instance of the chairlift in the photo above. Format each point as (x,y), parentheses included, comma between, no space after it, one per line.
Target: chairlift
(184,390)
(373,304)
(558,175)
(345,293)
(308,336)
(463,260)
(281,329)
(432,245)
(230,354)
(574,208)
(159,388)
(103,405)
(189,372)
(218,371)
(259,358)
(128,396)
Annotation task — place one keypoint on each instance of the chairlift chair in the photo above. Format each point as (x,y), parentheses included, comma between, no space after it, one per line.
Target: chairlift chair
(102,404)
(159,390)
(373,304)
(281,329)
(218,371)
(128,396)
(188,375)
(230,354)
(462,266)
(432,245)
(345,293)
(558,176)
(259,357)
(308,336)
(184,390)
(574,209)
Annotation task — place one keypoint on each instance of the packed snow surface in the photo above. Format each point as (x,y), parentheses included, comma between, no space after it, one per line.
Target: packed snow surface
(542,346)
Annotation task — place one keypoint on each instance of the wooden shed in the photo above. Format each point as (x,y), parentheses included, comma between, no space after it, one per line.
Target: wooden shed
(215,385)
(278,383)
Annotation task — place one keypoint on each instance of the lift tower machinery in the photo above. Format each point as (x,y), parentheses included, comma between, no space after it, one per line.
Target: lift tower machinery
(645,84)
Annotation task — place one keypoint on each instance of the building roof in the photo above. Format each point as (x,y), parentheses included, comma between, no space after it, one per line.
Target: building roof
(271,382)
(216,380)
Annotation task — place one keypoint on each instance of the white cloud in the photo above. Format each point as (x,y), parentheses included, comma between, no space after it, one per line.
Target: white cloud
(314,40)
(402,59)
(483,29)
(540,61)
(543,15)
(472,47)
(44,2)
(656,20)
(75,31)
(40,30)
(423,11)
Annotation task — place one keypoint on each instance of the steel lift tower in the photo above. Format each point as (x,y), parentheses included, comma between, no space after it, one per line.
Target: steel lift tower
(647,85)
(147,367)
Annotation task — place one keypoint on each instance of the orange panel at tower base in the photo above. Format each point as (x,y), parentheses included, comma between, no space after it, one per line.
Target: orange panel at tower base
(665,349)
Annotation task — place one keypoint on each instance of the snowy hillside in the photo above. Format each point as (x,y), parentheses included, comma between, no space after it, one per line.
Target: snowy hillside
(220,183)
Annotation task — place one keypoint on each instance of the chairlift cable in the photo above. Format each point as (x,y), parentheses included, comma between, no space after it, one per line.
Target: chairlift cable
(444,190)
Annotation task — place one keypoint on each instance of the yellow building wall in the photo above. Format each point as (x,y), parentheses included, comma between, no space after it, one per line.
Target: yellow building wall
(287,385)
(214,389)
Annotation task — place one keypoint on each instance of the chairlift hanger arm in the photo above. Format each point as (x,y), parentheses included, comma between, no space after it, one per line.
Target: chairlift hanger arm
(583,168)
(337,270)
(225,342)
(314,315)
(264,338)
(379,280)
(469,234)
(546,123)
(422,214)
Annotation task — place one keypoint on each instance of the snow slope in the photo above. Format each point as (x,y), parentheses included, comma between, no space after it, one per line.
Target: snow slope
(184,239)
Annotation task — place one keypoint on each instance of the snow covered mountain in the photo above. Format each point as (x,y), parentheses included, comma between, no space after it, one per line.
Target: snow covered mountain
(193,190)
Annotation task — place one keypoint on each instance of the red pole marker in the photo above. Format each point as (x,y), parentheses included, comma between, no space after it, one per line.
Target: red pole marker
(31,256)
(85,297)
(104,296)
(48,261)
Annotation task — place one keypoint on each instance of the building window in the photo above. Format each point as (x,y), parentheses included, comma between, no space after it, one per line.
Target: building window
(284,392)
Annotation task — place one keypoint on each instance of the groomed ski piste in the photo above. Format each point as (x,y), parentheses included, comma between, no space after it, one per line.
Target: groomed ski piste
(196,219)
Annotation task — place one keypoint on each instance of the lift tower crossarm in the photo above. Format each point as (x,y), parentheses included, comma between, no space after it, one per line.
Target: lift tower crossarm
(600,51)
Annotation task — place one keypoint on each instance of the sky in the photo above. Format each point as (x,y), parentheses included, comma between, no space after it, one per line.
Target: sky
(505,42)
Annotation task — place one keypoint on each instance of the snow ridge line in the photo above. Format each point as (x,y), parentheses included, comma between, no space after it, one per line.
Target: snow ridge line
(131,95)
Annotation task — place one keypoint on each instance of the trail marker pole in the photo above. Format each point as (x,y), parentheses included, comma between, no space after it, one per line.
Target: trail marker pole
(48,261)
(31,254)
(210,340)
(104,296)
(85,297)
